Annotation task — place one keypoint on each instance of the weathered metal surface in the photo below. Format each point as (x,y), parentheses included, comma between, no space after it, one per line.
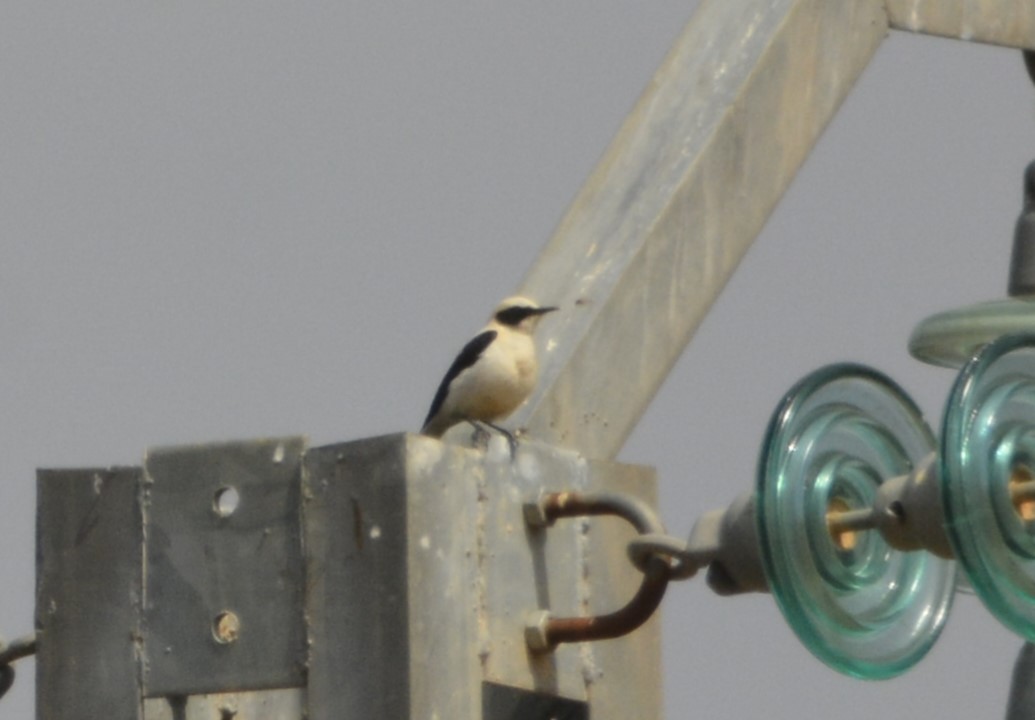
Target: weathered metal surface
(286,704)
(678,198)
(421,573)
(418,575)
(525,570)
(224,585)
(89,555)
(1000,22)
(623,676)
(356,599)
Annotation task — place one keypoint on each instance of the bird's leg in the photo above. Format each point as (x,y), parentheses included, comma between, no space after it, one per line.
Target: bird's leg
(480,435)
(511,439)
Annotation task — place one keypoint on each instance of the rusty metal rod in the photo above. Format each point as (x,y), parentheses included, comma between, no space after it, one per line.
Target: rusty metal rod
(621,622)
(655,580)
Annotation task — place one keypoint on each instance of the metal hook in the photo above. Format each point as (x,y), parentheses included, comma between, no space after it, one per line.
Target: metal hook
(544,631)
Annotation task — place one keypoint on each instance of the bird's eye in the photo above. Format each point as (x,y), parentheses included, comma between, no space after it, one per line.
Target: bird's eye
(513,315)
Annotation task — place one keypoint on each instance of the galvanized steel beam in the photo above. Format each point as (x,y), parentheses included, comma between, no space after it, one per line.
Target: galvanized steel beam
(1000,22)
(685,187)
(421,574)
(89,595)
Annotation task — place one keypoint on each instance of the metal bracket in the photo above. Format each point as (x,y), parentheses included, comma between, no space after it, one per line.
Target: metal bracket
(543,631)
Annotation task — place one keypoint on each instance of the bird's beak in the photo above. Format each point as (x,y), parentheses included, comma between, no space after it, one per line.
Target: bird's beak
(543,311)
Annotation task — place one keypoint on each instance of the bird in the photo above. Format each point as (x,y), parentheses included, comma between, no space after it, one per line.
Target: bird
(494,373)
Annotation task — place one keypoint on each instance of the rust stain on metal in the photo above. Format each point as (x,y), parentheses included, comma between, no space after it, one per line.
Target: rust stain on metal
(621,622)
(655,581)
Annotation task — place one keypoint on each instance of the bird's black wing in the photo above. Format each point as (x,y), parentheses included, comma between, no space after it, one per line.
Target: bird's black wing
(471,352)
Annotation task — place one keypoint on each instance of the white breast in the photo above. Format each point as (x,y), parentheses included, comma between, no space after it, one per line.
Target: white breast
(499,382)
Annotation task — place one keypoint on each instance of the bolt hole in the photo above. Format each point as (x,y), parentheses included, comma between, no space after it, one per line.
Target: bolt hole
(226,501)
(226,627)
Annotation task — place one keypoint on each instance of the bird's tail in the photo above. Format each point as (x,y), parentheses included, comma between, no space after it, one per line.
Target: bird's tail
(434,429)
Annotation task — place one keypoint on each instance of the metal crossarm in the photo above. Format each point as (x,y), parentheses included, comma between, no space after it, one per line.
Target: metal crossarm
(999,22)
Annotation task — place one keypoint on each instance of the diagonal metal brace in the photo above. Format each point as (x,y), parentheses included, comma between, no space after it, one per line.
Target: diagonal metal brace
(678,198)
(543,631)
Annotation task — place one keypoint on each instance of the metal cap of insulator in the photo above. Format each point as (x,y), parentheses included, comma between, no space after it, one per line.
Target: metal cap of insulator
(1022,260)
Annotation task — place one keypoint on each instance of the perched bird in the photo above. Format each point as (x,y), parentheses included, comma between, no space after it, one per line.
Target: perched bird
(493,374)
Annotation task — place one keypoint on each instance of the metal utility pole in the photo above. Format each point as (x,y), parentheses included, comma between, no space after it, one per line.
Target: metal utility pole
(400,577)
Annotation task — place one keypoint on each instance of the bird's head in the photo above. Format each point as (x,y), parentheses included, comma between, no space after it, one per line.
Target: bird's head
(520,313)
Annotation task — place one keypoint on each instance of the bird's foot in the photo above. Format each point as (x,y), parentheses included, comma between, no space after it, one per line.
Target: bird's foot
(480,431)
(480,436)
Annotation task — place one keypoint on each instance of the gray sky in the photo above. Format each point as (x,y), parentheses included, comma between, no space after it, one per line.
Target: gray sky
(255,219)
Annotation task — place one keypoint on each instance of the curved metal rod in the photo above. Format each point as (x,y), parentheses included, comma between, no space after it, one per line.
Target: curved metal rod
(6,679)
(16,650)
(655,580)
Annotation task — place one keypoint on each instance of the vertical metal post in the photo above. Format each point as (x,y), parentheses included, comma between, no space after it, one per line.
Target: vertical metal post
(89,594)
(356,600)
(418,553)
